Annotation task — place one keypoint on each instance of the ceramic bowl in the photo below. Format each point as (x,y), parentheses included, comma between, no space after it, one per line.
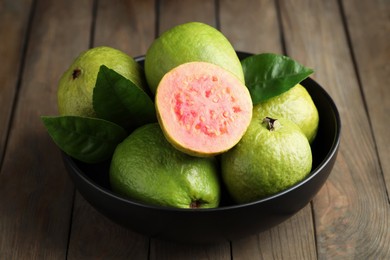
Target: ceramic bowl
(229,221)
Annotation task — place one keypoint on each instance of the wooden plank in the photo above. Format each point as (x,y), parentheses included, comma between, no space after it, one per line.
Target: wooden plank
(251,26)
(352,212)
(258,31)
(171,251)
(14,18)
(35,192)
(177,12)
(121,25)
(293,239)
(370,37)
(126,25)
(95,237)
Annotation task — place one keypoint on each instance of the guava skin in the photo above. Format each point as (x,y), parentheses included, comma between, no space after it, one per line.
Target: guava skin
(272,156)
(75,89)
(146,168)
(193,41)
(296,105)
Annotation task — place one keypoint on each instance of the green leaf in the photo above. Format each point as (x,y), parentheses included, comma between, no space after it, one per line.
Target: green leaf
(90,140)
(117,99)
(268,75)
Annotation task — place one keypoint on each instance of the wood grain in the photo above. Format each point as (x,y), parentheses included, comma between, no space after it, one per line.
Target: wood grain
(293,239)
(14,17)
(161,250)
(94,236)
(251,26)
(173,12)
(126,25)
(35,191)
(352,213)
(132,34)
(370,37)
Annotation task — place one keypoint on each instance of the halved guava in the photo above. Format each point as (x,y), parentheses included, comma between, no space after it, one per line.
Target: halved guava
(203,109)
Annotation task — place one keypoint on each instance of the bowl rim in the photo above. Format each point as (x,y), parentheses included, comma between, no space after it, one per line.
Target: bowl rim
(313,173)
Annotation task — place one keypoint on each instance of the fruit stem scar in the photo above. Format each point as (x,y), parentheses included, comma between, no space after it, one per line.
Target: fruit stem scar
(76,73)
(195,204)
(270,123)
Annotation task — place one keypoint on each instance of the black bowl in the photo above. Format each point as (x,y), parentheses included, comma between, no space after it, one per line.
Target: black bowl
(229,221)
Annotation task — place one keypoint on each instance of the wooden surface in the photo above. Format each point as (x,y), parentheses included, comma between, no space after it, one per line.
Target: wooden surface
(345,41)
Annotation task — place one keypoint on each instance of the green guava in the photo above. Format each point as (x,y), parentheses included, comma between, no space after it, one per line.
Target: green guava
(203,109)
(272,156)
(296,105)
(193,41)
(146,168)
(75,90)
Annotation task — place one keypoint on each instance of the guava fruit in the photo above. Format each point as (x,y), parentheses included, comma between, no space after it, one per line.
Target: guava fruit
(295,104)
(146,168)
(272,156)
(193,41)
(75,89)
(203,109)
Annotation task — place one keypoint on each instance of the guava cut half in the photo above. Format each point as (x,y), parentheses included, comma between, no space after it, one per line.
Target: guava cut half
(203,109)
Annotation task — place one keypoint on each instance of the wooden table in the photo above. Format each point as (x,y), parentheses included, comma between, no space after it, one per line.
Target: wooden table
(345,41)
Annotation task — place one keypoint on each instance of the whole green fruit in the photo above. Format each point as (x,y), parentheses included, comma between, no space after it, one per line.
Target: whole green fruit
(145,167)
(75,90)
(296,105)
(193,41)
(272,156)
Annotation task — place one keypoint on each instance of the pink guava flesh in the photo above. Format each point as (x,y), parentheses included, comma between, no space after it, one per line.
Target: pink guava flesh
(203,109)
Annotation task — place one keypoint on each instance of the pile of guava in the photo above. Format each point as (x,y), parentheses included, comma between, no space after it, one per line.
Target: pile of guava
(189,123)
